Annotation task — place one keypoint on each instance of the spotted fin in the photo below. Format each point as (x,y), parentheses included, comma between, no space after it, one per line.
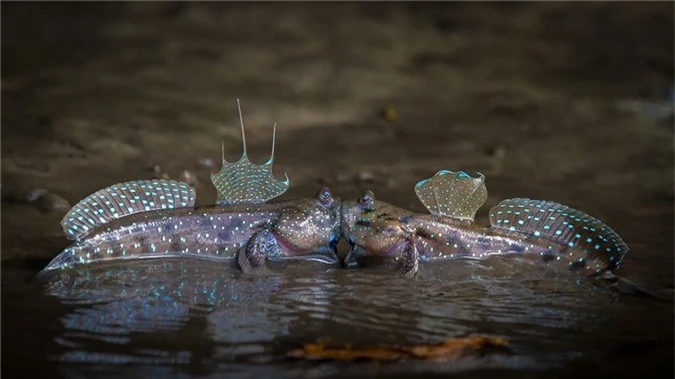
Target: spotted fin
(247,182)
(452,194)
(562,224)
(125,199)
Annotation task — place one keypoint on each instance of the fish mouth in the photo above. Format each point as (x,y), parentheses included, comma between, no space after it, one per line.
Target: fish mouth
(318,257)
(326,255)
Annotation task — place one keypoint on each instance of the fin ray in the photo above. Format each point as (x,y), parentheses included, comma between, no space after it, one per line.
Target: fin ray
(124,199)
(451,194)
(245,181)
(562,224)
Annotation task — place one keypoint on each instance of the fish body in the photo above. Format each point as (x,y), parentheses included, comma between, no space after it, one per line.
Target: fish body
(435,237)
(304,228)
(553,231)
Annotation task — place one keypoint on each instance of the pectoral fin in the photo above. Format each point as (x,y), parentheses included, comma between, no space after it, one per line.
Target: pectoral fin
(408,259)
(351,260)
(253,255)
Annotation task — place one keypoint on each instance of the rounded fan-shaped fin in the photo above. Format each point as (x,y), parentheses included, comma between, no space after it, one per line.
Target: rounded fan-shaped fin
(452,194)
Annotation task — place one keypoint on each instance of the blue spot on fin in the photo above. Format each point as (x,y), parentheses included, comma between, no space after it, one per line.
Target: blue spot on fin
(247,182)
(562,224)
(124,199)
(451,194)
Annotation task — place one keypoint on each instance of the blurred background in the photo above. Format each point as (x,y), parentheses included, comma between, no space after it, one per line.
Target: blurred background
(570,102)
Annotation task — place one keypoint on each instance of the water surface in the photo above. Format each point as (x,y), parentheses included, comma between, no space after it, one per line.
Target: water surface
(182,317)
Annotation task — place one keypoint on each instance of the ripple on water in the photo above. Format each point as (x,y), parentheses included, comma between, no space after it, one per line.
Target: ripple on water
(181,312)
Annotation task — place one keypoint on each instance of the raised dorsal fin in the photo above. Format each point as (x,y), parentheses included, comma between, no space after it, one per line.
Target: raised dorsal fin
(560,223)
(124,199)
(247,182)
(452,194)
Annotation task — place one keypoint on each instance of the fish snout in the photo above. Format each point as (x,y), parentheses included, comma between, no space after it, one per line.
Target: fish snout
(348,217)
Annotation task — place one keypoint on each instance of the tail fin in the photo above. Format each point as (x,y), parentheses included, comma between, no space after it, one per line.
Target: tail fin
(65,259)
(628,287)
(562,224)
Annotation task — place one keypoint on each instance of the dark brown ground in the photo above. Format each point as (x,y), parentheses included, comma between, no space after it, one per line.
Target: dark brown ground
(558,101)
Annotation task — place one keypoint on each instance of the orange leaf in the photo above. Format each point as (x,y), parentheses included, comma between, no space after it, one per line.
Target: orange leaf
(454,348)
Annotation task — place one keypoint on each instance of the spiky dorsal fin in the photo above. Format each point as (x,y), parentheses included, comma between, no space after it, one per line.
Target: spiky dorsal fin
(452,194)
(247,182)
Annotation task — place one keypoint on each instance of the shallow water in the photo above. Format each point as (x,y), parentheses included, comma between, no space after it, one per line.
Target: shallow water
(159,318)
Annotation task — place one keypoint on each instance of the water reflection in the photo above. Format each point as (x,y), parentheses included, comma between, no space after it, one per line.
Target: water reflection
(199,314)
(125,304)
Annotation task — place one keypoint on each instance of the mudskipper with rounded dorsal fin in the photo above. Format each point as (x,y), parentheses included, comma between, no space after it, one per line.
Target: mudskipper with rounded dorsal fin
(158,219)
(551,230)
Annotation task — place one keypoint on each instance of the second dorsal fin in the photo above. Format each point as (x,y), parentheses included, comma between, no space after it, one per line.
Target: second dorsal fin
(247,182)
(124,199)
(452,194)
(560,223)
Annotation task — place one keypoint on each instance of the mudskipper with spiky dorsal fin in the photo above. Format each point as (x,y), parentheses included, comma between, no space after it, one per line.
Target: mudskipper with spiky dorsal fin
(158,219)
(551,230)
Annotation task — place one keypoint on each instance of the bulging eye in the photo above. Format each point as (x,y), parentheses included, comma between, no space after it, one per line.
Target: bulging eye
(367,198)
(324,196)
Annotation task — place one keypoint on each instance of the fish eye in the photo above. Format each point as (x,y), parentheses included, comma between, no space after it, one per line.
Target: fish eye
(324,196)
(367,198)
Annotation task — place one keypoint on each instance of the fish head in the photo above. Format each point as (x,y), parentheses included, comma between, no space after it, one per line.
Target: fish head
(310,229)
(373,228)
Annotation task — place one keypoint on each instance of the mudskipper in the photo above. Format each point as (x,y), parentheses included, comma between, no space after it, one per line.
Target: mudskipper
(553,231)
(158,219)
